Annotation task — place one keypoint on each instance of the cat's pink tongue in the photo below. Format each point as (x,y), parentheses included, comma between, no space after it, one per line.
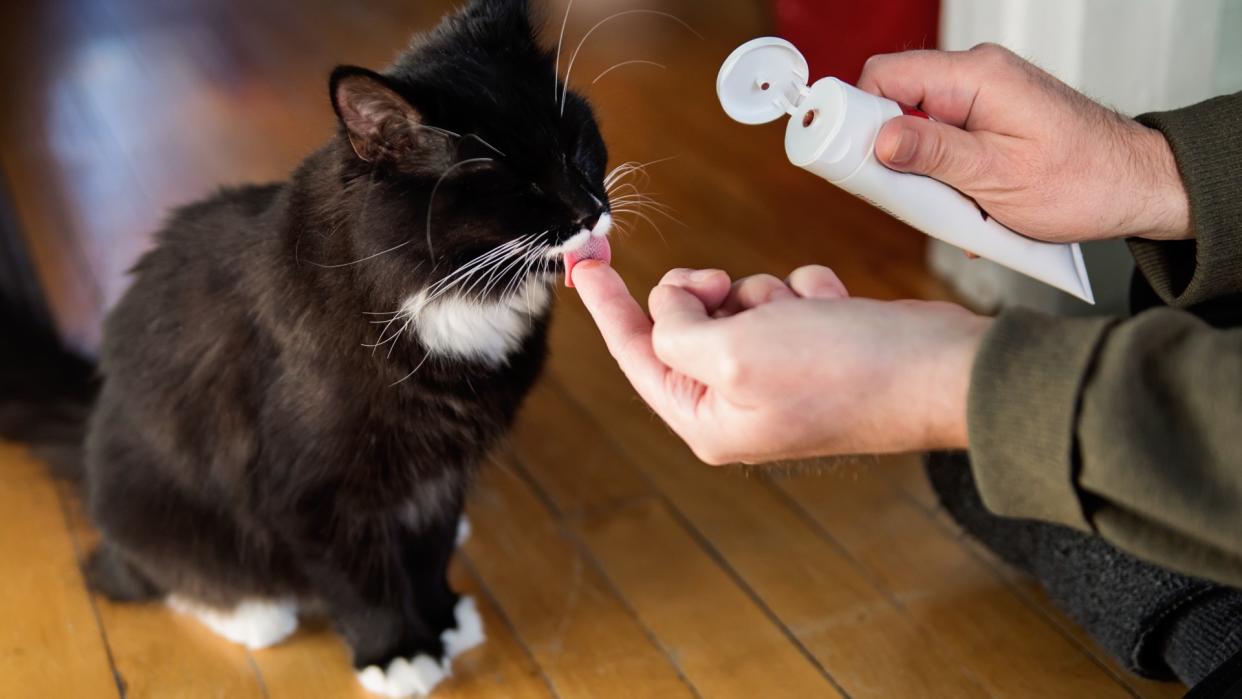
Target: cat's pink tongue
(595,249)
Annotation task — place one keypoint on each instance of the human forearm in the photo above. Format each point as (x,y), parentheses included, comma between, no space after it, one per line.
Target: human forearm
(1126,428)
(1206,143)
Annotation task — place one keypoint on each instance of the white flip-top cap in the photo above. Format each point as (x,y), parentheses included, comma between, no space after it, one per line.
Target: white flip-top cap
(763,80)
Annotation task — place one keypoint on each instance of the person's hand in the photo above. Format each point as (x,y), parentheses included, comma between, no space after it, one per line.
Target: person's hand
(1038,156)
(765,369)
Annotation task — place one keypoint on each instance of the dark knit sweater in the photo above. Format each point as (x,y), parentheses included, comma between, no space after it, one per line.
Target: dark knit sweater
(1132,428)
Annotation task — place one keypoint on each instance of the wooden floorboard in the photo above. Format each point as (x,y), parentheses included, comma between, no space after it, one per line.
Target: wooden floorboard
(726,643)
(606,561)
(1008,647)
(584,637)
(51,642)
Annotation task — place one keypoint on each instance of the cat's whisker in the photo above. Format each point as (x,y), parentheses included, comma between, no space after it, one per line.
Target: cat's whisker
(461,274)
(477,262)
(385,338)
(480,261)
(498,273)
(654,207)
(628,63)
(412,373)
(484,270)
(618,172)
(524,251)
(616,179)
(431,201)
(645,217)
(439,130)
(479,138)
(358,262)
(560,44)
(366,200)
(519,265)
(621,187)
(570,70)
(508,253)
(513,287)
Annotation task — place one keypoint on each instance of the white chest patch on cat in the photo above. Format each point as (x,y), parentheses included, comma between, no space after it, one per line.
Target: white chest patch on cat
(484,331)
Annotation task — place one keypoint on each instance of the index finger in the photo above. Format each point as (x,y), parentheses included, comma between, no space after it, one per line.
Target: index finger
(624,326)
(940,83)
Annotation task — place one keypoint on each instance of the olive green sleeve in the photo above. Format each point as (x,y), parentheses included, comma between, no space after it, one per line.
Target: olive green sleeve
(1132,428)
(1207,143)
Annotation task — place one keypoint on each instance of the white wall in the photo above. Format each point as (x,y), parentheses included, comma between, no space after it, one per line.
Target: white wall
(1133,55)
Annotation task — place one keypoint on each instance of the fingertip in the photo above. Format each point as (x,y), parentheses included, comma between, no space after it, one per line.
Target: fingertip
(817,282)
(591,273)
(711,286)
(665,295)
(898,142)
(674,304)
(886,141)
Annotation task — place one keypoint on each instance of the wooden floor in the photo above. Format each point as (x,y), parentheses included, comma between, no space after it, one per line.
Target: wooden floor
(607,562)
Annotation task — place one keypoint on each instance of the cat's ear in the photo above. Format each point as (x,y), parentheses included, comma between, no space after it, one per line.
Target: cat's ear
(380,123)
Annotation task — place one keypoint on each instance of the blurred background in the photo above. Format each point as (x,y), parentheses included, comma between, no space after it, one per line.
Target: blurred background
(118,110)
(828,580)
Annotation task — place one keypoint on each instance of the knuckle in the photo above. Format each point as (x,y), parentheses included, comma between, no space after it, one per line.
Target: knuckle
(814,271)
(662,342)
(760,281)
(993,54)
(875,64)
(661,296)
(932,155)
(674,276)
(988,49)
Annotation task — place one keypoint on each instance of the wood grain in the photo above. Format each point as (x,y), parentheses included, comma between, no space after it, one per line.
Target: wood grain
(1005,644)
(585,639)
(607,561)
(50,639)
(158,653)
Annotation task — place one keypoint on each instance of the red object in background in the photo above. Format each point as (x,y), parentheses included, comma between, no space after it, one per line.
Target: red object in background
(838,36)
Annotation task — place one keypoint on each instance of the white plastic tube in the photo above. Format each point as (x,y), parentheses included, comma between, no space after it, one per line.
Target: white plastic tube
(832,131)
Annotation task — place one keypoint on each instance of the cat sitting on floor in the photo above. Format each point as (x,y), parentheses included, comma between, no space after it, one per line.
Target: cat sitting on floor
(304,376)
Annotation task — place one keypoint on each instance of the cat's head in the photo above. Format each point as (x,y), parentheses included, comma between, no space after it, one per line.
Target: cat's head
(470,170)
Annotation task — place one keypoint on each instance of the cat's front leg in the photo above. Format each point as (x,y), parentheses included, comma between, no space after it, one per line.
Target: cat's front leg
(428,551)
(370,593)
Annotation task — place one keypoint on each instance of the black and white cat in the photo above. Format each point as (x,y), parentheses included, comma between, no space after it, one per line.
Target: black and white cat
(250,456)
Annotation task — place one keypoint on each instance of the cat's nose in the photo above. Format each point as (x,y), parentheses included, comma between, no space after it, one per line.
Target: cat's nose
(599,226)
(590,222)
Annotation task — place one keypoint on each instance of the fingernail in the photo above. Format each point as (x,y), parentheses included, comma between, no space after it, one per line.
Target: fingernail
(907,143)
(703,275)
(828,291)
(779,293)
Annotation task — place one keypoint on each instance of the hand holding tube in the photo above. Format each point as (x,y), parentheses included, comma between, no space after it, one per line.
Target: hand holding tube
(1038,156)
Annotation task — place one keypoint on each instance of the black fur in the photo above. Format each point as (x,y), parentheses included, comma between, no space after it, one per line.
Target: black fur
(246,444)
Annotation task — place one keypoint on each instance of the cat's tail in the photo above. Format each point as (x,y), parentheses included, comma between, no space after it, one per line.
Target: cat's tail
(46,395)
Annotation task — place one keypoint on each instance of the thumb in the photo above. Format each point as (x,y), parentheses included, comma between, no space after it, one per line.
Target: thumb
(925,147)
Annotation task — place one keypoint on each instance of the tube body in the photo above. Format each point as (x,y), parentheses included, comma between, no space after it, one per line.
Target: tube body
(832,134)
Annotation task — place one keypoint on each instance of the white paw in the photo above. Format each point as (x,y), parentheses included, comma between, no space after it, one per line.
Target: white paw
(255,624)
(463,530)
(405,678)
(469,632)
